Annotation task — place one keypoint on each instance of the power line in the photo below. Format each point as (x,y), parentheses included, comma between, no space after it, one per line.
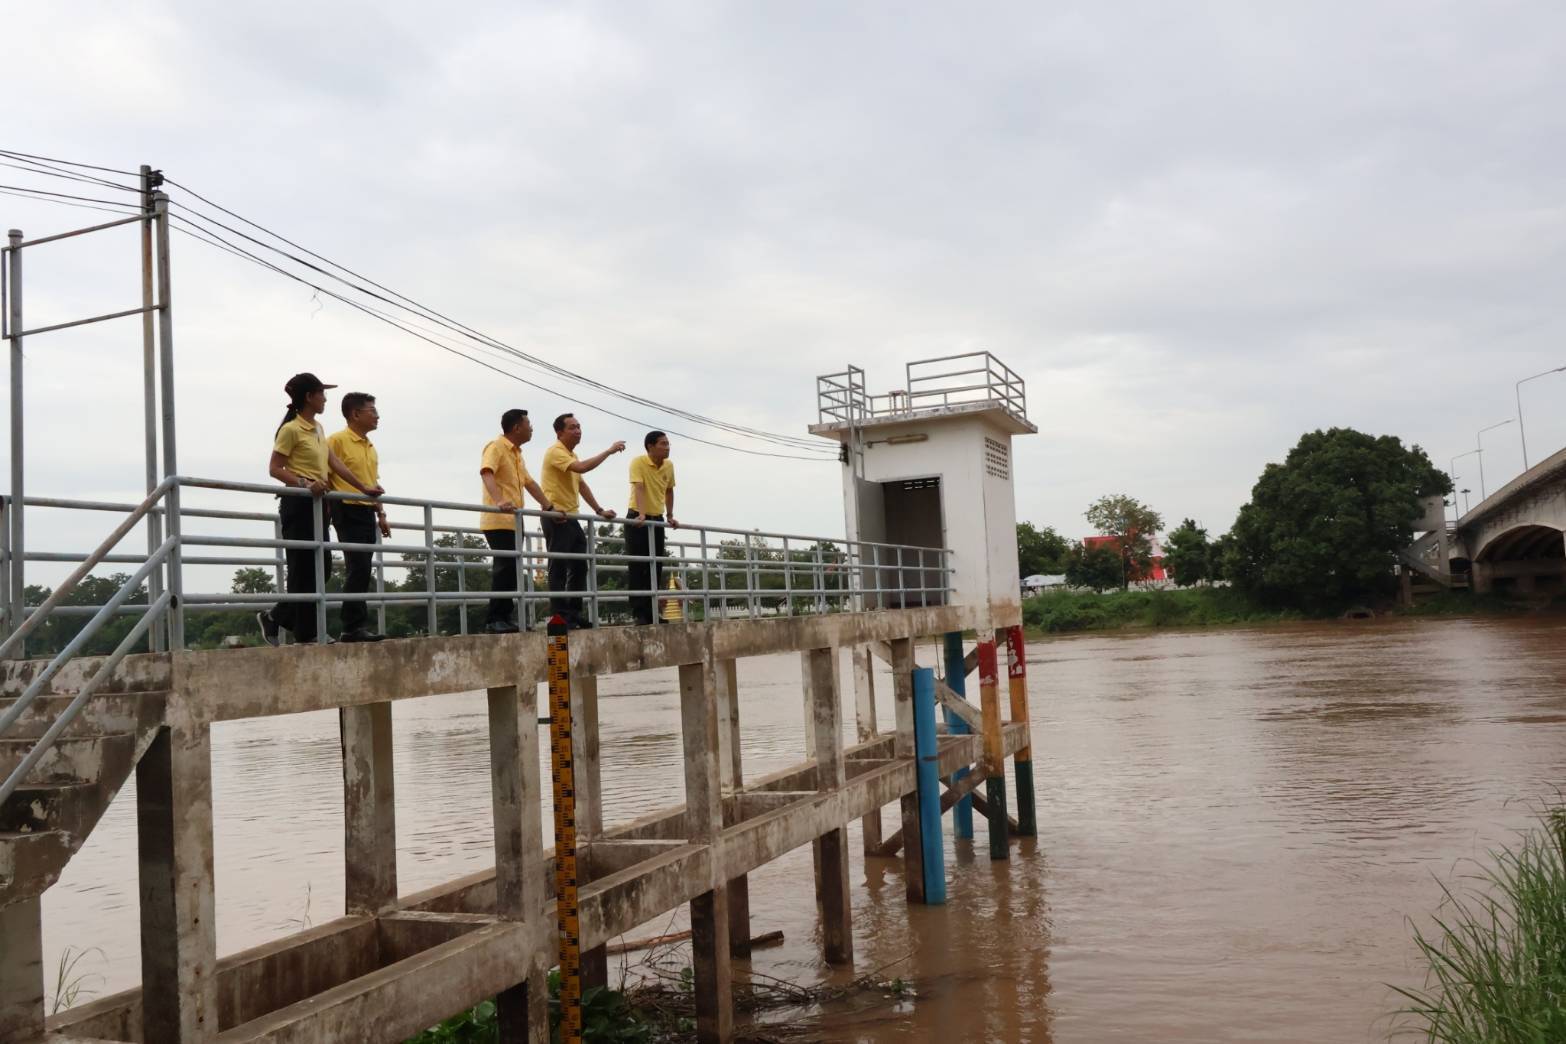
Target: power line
(69,163)
(396,300)
(205,235)
(409,304)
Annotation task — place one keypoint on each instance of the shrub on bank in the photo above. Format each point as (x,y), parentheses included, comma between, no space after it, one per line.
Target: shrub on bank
(1497,958)
(1062,612)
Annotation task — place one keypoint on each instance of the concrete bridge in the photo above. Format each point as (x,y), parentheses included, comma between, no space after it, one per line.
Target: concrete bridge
(1513,541)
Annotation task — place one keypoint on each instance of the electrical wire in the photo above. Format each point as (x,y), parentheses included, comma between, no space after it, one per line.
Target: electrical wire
(391,298)
(799,442)
(205,235)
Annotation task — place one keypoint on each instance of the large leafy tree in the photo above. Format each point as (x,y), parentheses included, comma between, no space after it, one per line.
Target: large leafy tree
(1188,554)
(1094,567)
(1132,524)
(1322,529)
(1040,550)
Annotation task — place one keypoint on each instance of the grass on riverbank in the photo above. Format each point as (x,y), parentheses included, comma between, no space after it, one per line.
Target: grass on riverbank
(1063,612)
(1497,959)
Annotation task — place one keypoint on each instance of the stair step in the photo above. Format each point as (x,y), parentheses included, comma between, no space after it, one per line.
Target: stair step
(31,862)
(46,806)
(69,757)
(116,712)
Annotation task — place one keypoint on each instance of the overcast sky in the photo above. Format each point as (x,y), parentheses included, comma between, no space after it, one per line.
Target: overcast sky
(1197,230)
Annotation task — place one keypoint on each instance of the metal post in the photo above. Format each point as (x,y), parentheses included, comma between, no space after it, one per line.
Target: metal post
(462,587)
(706,585)
(1022,761)
(932,848)
(957,681)
(18,544)
(902,583)
(524,573)
(592,571)
(994,746)
(751,574)
(380,584)
(652,565)
(788,580)
(277,534)
(431,621)
(158,636)
(160,202)
(318,526)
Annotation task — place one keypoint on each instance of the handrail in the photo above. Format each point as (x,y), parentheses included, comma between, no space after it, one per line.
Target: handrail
(31,623)
(104,614)
(154,613)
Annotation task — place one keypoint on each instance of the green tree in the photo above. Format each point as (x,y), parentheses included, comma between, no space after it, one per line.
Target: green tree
(254,580)
(1132,524)
(1322,529)
(1188,554)
(1097,568)
(1040,550)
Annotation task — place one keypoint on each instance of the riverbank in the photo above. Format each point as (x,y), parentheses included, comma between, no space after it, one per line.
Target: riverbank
(1067,612)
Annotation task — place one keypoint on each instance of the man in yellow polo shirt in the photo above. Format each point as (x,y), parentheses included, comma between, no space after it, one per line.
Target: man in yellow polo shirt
(504,475)
(652,500)
(563,485)
(357,520)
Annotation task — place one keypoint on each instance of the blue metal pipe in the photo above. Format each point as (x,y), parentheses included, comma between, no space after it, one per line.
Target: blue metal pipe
(931,843)
(957,681)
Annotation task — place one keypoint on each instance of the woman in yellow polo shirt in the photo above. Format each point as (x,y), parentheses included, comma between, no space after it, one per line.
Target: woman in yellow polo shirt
(300,457)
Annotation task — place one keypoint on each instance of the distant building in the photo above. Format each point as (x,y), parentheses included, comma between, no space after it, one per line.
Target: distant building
(1155,573)
(1038,582)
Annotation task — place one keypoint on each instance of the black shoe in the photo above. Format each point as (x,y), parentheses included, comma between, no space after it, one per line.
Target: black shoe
(361,634)
(268,627)
(501,627)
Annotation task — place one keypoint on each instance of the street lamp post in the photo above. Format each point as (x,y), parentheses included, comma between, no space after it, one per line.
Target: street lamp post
(1452,473)
(1521,431)
(1479,448)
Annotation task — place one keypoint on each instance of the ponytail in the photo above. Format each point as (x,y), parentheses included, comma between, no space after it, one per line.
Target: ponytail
(293,411)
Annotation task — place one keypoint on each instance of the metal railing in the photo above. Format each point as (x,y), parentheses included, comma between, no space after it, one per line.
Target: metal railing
(714,572)
(969,379)
(710,572)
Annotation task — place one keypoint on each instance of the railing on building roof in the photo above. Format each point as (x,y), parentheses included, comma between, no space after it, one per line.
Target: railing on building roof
(970,379)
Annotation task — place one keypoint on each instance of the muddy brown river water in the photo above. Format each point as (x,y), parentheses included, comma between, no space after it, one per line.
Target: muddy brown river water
(1235,830)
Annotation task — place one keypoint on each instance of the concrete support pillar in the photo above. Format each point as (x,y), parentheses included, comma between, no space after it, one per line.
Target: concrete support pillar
(905,746)
(589,800)
(864,720)
(21,972)
(1481,575)
(1405,586)
(516,795)
(731,769)
(831,848)
(704,824)
(178,927)
(369,809)
(1022,761)
(994,746)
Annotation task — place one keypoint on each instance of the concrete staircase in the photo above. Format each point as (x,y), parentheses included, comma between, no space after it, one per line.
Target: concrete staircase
(50,816)
(1423,557)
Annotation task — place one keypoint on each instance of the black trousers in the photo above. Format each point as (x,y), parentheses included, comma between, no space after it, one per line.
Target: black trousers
(566,574)
(502,575)
(355,524)
(642,575)
(298,516)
